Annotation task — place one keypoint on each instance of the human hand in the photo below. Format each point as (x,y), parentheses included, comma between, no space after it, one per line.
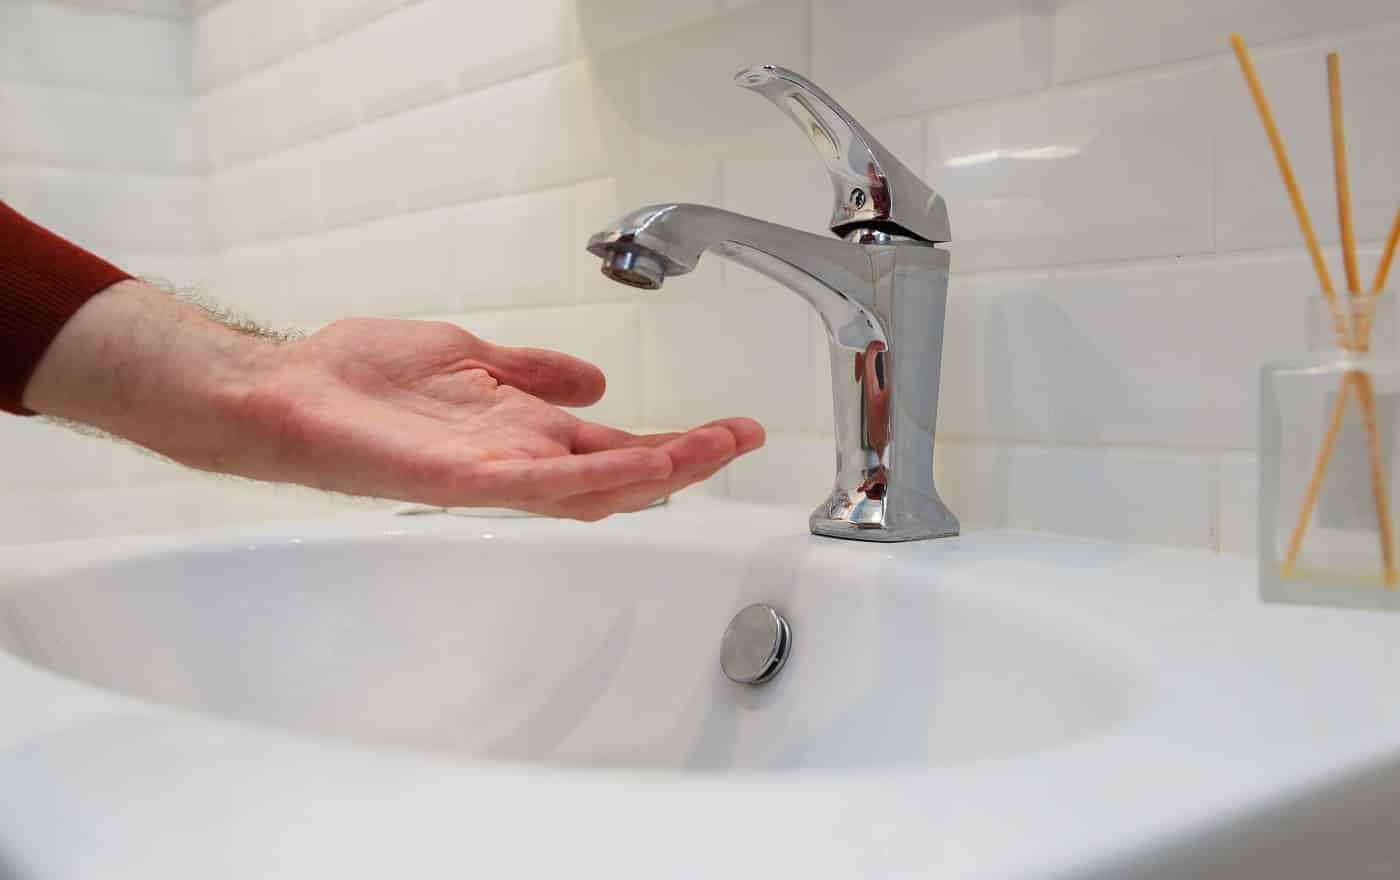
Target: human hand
(427,412)
(411,410)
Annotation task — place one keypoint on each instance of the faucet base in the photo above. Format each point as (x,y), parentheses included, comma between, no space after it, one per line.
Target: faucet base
(862,518)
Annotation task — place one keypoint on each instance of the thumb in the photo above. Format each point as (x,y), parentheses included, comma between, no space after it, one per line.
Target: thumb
(552,376)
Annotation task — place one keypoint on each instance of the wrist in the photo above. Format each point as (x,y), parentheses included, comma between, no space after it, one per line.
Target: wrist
(141,364)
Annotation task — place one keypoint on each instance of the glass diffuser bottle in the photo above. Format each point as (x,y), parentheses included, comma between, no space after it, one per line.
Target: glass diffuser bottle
(1328,444)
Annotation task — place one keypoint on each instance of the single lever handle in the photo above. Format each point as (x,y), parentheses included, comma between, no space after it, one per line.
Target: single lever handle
(873,189)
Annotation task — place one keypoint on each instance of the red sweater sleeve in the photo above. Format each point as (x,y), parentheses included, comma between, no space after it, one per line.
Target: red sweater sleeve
(44,280)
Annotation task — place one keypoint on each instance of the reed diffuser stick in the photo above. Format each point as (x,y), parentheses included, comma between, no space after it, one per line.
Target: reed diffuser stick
(1368,314)
(1364,394)
(1295,197)
(1383,267)
(1339,172)
(1334,422)
(1319,472)
(1345,338)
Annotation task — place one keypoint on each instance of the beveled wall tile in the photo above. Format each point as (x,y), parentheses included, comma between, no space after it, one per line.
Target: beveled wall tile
(509,39)
(1135,496)
(714,355)
(1252,209)
(689,103)
(604,25)
(1237,502)
(1163,355)
(1112,172)
(54,44)
(907,56)
(1095,37)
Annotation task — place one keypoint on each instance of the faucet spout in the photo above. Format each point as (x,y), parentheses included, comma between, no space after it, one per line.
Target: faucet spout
(834,276)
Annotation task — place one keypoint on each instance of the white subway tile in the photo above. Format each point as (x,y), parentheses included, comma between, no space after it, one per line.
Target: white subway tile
(176,9)
(305,97)
(505,40)
(48,43)
(42,454)
(360,174)
(599,95)
(336,275)
(1237,502)
(915,55)
(1136,496)
(689,103)
(292,103)
(216,51)
(429,158)
(792,190)
(282,194)
(17,189)
(1252,209)
(218,127)
(238,127)
(1094,37)
(407,264)
(709,355)
(402,60)
(32,516)
(971,478)
(71,127)
(334,17)
(234,210)
(603,25)
(181,272)
(789,469)
(448,260)
(272,30)
(1162,355)
(604,335)
(260,281)
(515,251)
(1107,173)
(108,212)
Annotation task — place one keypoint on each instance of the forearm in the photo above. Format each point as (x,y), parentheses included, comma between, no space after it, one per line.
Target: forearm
(141,364)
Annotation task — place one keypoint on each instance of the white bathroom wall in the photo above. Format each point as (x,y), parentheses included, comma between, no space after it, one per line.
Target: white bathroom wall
(1123,254)
(98,141)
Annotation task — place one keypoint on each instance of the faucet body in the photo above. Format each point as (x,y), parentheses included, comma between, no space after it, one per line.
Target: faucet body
(881,290)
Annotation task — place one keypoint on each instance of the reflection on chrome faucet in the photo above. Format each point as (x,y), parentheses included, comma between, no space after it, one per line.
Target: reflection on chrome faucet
(880,288)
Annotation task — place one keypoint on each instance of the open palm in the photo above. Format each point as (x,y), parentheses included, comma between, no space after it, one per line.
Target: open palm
(424,411)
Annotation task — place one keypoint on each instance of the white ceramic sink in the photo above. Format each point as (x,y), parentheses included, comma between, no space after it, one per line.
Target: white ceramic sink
(581,649)
(430,696)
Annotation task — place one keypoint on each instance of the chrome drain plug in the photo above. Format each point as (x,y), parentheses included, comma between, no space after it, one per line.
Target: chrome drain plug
(755,645)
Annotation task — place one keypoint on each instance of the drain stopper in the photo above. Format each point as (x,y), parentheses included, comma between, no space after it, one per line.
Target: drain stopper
(755,645)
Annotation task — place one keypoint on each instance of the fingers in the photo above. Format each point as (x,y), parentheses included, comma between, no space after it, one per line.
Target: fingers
(553,376)
(521,481)
(697,455)
(589,437)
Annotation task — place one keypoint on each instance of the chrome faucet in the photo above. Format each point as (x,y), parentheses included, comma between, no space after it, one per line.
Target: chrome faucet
(880,287)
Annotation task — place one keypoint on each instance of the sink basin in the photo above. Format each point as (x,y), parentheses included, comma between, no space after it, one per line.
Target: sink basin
(375,696)
(578,649)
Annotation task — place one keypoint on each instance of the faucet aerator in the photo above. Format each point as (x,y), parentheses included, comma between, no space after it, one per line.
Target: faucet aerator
(635,268)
